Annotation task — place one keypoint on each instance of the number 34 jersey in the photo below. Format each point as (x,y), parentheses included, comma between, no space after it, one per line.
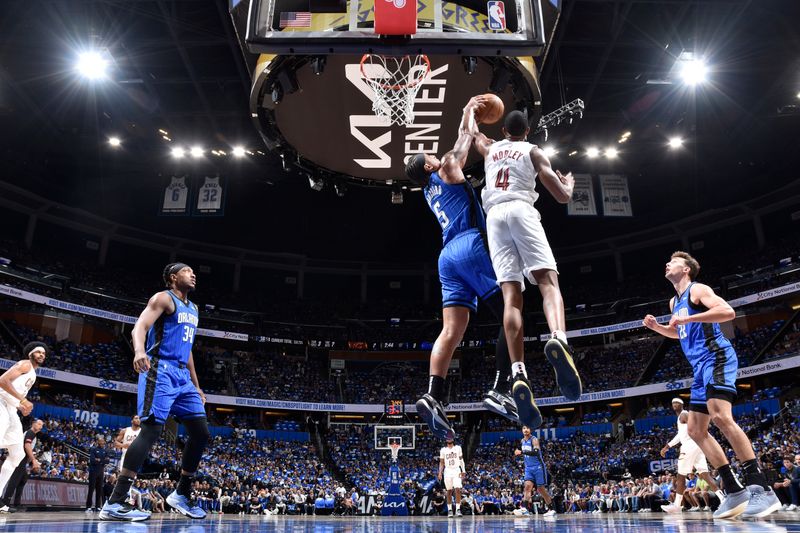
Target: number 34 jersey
(172,336)
(510,174)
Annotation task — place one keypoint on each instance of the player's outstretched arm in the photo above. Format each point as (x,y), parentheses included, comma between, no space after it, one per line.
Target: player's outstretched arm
(559,185)
(453,161)
(158,304)
(718,310)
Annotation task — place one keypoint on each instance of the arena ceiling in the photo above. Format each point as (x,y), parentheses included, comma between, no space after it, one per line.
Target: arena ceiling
(177,67)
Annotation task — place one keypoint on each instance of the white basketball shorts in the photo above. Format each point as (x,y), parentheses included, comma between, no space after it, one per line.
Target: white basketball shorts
(452,479)
(517,242)
(10,426)
(692,459)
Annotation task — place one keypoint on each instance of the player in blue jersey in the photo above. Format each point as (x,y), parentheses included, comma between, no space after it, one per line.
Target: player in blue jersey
(535,471)
(162,342)
(696,314)
(465,272)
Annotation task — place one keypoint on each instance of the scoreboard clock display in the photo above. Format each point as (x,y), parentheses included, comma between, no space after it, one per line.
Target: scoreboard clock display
(394,408)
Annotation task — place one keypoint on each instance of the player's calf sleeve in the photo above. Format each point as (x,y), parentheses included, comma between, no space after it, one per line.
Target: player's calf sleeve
(198,435)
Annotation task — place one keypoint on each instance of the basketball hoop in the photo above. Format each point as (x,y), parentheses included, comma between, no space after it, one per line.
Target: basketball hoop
(395,448)
(395,81)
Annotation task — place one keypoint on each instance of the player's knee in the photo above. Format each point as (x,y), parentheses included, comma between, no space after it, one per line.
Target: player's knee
(15,454)
(697,432)
(723,420)
(197,430)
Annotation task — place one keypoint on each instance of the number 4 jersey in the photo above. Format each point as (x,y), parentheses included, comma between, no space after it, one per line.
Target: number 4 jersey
(510,174)
(172,336)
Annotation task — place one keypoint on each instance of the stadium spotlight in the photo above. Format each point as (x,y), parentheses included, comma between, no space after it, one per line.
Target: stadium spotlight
(238,151)
(611,153)
(92,65)
(592,152)
(693,71)
(675,143)
(549,151)
(798,95)
(315,184)
(178,152)
(196,151)
(114,141)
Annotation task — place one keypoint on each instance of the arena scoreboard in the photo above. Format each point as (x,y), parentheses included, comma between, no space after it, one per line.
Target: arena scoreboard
(394,408)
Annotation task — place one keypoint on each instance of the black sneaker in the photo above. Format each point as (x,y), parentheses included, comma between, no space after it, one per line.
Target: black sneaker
(559,354)
(522,392)
(432,412)
(502,404)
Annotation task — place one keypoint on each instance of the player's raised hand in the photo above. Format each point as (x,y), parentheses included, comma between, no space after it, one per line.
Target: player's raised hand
(141,363)
(567,179)
(677,320)
(517,452)
(650,322)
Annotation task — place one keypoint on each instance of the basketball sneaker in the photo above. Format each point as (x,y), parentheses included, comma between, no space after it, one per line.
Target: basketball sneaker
(432,412)
(559,354)
(733,505)
(672,508)
(551,512)
(184,505)
(458,513)
(529,414)
(450,512)
(502,404)
(762,502)
(122,511)
(7,510)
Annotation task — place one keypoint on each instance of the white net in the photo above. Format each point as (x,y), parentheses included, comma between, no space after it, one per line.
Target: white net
(395,81)
(395,449)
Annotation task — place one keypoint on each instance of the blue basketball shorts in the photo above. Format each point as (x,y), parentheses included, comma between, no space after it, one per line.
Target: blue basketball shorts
(537,475)
(714,377)
(465,271)
(167,389)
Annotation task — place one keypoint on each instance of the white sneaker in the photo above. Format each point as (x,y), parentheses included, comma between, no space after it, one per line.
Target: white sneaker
(89,510)
(706,508)
(792,507)
(672,508)
(694,510)
(4,509)
(785,506)
(551,512)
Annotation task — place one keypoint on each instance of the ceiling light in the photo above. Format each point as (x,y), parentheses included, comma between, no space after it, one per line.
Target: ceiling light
(178,152)
(92,65)
(573,153)
(549,151)
(675,143)
(162,132)
(114,141)
(626,135)
(238,151)
(592,152)
(611,153)
(196,151)
(166,138)
(694,71)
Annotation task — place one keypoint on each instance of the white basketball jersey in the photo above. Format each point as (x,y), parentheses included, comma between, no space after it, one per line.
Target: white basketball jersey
(687,444)
(209,196)
(22,385)
(130,435)
(176,194)
(510,174)
(451,457)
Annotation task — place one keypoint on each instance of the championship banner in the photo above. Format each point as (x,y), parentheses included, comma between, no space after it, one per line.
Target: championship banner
(769,367)
(616,198)
(210,197)
(582,201)
(175,200)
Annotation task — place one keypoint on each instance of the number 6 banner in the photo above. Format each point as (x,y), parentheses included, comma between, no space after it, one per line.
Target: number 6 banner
(176,197)
(210,197)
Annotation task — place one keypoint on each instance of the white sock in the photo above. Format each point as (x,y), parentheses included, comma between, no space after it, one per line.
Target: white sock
(560,335)
(678,499)
(519,368)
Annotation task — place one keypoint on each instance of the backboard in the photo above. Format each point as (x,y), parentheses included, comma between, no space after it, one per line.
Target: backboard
(460,27)
(405,436)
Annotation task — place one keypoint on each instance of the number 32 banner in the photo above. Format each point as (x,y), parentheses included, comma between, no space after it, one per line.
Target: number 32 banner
(210,197)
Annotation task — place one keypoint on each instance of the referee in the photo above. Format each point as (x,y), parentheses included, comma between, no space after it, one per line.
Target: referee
(98,459)
(19,477)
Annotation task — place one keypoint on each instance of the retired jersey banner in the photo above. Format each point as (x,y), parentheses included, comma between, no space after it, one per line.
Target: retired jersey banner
(175,200)
(582,201)
(616,198)
(210,197)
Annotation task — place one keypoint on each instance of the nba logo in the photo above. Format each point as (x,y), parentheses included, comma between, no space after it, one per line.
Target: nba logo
(497,15)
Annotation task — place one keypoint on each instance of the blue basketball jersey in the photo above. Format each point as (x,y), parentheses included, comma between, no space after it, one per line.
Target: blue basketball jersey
(172,336)
(531,461)
(699,341)
(456,207)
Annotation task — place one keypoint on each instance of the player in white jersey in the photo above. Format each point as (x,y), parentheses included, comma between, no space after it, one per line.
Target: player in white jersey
(518,247)
(690,458)
(126,436)
(14,386)
(451,470)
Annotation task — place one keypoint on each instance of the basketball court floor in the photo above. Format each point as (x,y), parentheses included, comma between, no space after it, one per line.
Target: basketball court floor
(76,522)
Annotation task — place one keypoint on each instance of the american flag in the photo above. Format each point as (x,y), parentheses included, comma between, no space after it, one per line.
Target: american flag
(295,19)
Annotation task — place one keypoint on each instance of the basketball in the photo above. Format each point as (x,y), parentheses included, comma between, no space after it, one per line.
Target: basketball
(491,111)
